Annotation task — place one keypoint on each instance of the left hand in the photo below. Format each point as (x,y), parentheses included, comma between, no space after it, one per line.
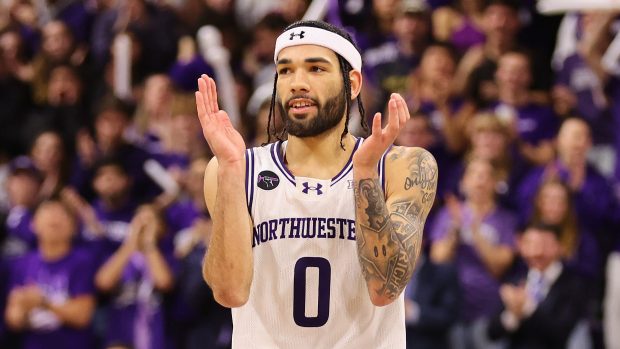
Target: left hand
(32,297)
(514,298)
(370,152)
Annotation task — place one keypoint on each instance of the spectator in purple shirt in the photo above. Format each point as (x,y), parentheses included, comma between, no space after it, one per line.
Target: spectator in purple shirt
(474,77)
(387,66)
(418,132)
(430,91)
(478,237)
(49,154)
(181,138)
(58,46)
(52,295)
(137,276)
(460,24)
(111,123)
(114,206)
(65,109)
(535,125)
(593,195)
(581,81)
(22,188)
(153,111)
(553,205)
(491,140)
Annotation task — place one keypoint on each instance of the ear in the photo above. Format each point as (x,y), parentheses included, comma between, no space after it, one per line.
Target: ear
(356,83)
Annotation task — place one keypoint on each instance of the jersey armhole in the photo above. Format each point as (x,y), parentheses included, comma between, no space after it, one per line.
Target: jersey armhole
(249,178)
(381,170)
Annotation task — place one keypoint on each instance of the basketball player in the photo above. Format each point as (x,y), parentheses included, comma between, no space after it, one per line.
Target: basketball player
(314,238)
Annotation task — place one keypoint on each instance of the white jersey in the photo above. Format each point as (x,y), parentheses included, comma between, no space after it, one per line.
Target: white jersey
(308,290)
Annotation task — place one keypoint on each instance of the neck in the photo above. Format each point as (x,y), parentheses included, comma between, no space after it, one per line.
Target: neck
(53,251)
(573,163)
(409,48)
(495,47)
(114,203)
(481,207)
(320,156)
(512,97)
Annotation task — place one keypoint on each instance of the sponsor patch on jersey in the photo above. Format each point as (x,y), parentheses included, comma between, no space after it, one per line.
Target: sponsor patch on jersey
(267,180)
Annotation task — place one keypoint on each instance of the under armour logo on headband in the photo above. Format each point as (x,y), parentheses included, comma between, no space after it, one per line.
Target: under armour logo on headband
(301,35)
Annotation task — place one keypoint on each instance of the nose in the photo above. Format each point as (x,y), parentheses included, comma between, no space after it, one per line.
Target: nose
(299,81)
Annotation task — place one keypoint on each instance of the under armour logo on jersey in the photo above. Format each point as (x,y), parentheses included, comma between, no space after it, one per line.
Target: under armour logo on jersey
(301,35)
(316,188)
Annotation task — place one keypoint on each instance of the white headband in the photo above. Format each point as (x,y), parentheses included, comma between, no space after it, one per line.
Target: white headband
(320,37)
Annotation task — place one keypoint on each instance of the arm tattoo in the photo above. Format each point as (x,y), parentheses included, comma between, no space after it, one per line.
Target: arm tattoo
(389,242)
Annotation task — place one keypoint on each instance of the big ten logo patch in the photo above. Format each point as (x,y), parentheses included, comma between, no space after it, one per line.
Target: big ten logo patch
(267,180)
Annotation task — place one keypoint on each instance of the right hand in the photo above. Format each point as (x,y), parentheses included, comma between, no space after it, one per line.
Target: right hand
(225,142)
(455,210)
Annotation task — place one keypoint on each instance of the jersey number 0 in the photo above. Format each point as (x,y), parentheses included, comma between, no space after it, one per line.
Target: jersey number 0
(299,292)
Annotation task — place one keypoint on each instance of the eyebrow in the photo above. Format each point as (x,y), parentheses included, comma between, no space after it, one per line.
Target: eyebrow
(307,60)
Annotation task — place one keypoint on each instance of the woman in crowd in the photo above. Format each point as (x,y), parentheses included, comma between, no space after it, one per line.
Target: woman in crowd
(477,235)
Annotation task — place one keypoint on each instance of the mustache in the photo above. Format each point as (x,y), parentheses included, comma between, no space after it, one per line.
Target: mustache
(302,96)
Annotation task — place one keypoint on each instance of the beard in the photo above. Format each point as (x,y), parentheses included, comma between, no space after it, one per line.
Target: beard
(328,116)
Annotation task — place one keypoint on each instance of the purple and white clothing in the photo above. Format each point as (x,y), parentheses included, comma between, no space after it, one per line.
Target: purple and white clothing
(115,226)
(135,314)
(69,277)
(467,36)
(308,289)
(479,288)
(535,123)
(592,103)
(594,203)
(20,238)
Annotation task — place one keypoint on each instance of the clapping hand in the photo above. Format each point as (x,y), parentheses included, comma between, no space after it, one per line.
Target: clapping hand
(370,152)
(225,142)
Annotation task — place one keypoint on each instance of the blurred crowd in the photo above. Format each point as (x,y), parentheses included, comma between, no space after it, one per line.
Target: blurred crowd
(103,224)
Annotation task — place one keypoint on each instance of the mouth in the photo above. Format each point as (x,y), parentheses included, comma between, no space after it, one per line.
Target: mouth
(298,106)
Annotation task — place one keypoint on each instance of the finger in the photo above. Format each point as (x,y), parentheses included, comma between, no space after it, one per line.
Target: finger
(213,97)
(376,124)
(200,106)
(403,110)
(203,87)
(392,127)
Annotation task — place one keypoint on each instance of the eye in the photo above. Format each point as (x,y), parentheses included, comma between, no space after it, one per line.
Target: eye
(316,69)
(284,71)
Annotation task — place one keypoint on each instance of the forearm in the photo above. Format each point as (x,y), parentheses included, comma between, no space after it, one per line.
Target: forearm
(451,130)
(76,312)
(163,279)
(495,258)
(16,317)
(228,265)
(387,261)
(109,274)
(442,251)
(540,154)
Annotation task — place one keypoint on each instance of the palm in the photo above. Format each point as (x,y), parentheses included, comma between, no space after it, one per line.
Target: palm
(225,142)
(380,139)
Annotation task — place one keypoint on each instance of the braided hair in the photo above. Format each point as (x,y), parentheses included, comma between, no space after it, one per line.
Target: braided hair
(345,68)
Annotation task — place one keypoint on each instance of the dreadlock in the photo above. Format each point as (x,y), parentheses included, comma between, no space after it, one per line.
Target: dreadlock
(345,68)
